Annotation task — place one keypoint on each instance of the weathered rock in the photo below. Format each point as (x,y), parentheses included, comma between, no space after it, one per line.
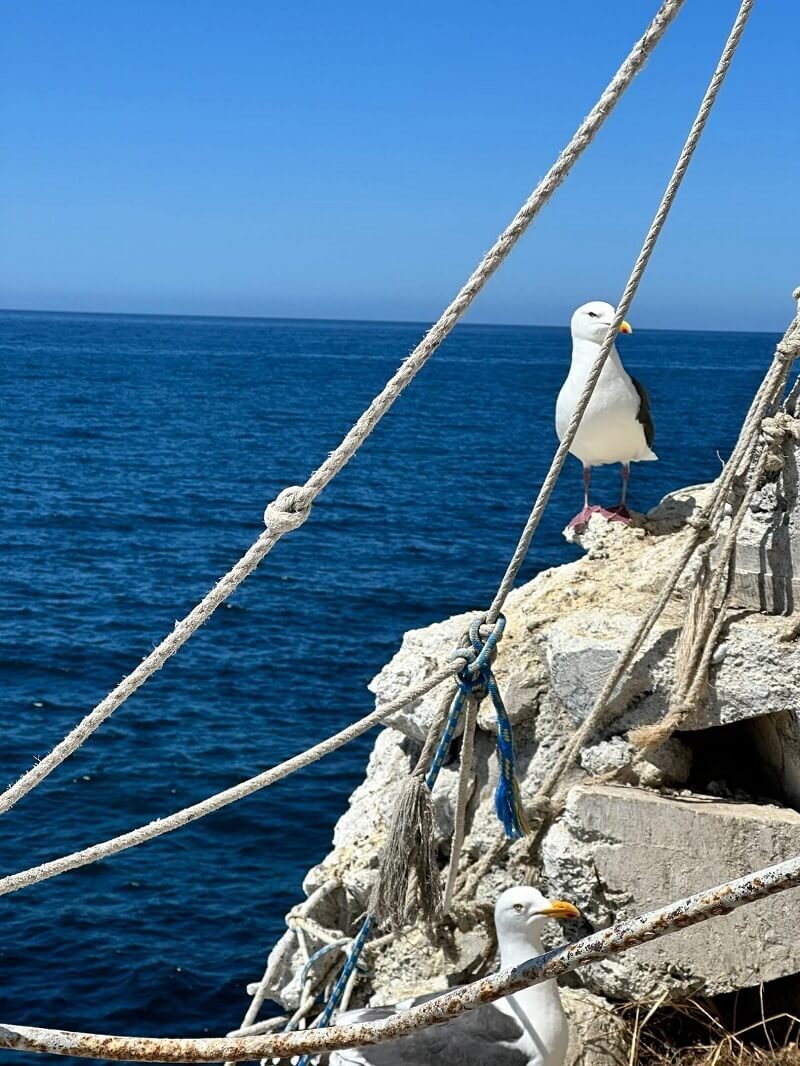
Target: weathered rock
(597,1035)
(411,966)
(670,763)
(615,850)
(776,745)
(620,851)
(767,563)
(421,652)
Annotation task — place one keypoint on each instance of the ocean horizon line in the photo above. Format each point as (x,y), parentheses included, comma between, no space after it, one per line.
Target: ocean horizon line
(322,320)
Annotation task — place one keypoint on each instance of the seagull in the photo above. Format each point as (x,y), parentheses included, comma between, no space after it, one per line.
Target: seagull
(526,1029)
(617,426)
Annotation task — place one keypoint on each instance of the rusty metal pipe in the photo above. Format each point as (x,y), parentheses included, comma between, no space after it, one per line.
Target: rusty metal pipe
(622,936)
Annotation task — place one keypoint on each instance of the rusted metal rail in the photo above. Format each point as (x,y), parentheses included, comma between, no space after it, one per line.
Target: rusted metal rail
(622,936)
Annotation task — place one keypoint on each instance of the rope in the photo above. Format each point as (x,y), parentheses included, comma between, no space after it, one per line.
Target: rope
(462,798)
(622,936)
(348,971)
(639,268)
(408,882)
(476,678)
(160,826)
(293,505)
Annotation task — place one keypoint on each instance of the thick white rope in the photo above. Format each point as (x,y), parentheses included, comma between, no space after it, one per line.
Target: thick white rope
(293,505)
(160,826)
(639,268)
(174,821)
(462,798)
(622,936)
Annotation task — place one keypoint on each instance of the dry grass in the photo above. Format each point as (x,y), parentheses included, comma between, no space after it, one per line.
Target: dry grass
(694,1033)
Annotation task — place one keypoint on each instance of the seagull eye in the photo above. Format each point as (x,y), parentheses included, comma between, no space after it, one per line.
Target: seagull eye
(592,314)
(518,908)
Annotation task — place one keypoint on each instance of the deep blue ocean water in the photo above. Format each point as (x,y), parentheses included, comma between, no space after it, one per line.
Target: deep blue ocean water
(137,456)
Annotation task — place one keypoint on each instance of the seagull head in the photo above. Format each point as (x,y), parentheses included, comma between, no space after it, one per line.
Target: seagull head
(521,911)
(591,321)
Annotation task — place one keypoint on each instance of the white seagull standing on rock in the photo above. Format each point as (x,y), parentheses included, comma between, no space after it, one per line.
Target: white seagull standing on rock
(617,426)
(526,1029)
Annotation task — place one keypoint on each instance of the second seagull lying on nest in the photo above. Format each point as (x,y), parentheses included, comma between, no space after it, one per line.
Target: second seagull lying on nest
(617,426)
(526,1029)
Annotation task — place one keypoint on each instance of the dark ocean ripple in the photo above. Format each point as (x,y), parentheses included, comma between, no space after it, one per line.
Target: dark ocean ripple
(137,457)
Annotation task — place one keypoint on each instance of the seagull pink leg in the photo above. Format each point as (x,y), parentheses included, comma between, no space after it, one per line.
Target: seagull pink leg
(582,517)
(620,513)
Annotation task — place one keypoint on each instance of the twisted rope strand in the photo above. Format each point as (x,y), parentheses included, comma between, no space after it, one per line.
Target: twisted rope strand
(462,798)
(293,505)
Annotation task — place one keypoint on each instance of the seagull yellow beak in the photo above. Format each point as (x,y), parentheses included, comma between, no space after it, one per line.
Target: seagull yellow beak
(625,328)
(559,908)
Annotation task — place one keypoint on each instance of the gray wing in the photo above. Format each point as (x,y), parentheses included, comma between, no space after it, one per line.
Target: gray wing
(474,1038)
(643,415)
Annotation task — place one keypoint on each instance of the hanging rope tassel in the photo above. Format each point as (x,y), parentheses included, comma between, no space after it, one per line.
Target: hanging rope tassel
(507,798)
(408,879)
(408,873)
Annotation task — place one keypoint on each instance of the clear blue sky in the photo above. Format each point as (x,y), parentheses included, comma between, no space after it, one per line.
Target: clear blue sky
(354,159)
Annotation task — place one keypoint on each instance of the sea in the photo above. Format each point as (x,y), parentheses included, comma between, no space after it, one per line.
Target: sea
(137,455)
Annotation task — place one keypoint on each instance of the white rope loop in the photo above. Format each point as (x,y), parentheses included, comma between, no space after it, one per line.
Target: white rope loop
(276,514)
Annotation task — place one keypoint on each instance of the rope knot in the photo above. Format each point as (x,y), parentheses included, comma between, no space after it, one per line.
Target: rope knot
(287,511)
(774,431)
(789,348)
(699,521)
(477,680)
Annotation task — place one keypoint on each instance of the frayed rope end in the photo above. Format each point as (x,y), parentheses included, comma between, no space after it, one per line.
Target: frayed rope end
(509,808)
(408,882)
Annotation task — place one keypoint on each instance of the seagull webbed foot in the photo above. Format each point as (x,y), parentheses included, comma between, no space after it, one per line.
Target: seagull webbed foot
(620,513)
(581,519)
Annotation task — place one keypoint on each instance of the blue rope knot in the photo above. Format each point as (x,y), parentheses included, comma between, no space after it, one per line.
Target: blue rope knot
(477,679)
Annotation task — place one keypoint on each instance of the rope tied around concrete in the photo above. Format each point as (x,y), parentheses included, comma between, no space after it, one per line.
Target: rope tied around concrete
(408,882)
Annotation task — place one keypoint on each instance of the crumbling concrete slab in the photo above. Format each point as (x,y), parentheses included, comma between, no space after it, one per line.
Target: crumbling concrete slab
(619,851)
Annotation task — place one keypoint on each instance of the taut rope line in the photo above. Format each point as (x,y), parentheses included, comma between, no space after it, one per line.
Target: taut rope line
(293,505)
(178,819)
(622,936)
(639,268)
(159,827)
